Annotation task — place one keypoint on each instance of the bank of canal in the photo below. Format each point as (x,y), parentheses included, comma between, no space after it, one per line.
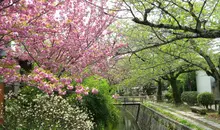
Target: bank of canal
(147,119)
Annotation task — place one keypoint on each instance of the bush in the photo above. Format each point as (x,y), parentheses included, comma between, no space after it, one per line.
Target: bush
(106,115)
(205,99)
(190,97)
(169,96)
(42,111)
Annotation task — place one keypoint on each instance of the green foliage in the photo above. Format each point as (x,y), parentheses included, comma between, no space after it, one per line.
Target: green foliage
(1,79)
(31,110)
(149,88)
(30,93)
(105,114)
(188,80)
(206,99)
(190,97)
(169,96)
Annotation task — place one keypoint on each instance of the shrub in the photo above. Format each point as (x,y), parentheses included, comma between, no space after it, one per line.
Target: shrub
(169,96)
(44,112)
(205,99)
(106,115)
(190,97)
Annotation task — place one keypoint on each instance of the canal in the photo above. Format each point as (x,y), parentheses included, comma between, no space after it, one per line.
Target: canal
(127,122)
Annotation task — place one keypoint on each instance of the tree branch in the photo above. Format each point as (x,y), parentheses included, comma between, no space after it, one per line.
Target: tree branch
(157,44)
(168,13)
(5,7)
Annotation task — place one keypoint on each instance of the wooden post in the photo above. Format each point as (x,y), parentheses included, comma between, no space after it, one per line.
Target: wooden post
(1,102)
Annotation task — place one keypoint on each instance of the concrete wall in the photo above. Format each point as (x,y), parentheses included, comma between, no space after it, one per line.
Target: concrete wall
(203,82)
(149,119)
(206,83)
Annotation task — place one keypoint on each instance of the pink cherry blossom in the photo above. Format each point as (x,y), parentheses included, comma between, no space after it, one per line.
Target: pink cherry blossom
(69,87)
(85,92)
(95,91)
(79,97)
(63,42)
(78,80)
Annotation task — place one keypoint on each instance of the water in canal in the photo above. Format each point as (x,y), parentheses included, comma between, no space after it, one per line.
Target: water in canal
(127,122)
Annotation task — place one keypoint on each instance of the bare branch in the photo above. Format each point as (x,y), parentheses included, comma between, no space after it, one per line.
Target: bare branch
(168,13)
(202,8)
(5,7)
(153,45)
(213,10)
(129,8)
(30,54)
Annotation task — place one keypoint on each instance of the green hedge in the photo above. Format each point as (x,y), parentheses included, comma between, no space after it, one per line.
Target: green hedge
(190,97)
(206,99)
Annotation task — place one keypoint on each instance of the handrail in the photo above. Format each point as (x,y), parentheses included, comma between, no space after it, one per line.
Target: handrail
(131,98)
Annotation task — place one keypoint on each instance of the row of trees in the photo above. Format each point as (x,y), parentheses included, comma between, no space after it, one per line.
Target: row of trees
(68,40)
(168,38)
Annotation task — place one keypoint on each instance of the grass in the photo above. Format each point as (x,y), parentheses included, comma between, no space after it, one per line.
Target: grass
(213,116)
(210,115)
(182,107)
(182,121)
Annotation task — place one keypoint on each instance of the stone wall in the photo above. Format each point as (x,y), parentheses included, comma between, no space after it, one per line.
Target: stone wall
(148,119)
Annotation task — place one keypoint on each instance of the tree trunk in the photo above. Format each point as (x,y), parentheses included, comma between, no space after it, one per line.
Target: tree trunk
(218,89)
(218,83)
(159,91)
(176,94)
(1,102)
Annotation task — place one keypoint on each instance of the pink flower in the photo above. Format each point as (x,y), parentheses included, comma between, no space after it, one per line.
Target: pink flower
(85,93)
(79,87)
(36,79)
(78,91)
(79,97)
(62,92)
(60,86)
(36,71)
(95,91)
(78,80)
(63,80)
(68,82)
(17,67)
(53,80)
(69,87)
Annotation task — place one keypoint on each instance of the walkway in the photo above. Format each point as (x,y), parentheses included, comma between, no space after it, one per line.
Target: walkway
(192,117)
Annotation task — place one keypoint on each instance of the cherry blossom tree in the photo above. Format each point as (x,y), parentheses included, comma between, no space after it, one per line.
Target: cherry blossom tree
(65,40)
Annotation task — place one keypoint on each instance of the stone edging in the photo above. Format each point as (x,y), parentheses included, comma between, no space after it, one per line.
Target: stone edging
(150,119)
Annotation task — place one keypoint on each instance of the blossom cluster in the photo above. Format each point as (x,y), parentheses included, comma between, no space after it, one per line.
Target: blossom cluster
(9,70)
(45,112)
(49,83)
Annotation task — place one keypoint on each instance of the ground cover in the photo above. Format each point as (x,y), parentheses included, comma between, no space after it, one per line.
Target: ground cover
(182,114)
(210,115)
(213,116)
(168,114)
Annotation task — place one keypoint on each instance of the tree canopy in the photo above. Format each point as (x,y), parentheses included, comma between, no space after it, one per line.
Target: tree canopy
(174,20)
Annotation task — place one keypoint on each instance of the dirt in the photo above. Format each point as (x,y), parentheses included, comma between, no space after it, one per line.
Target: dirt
(214,117)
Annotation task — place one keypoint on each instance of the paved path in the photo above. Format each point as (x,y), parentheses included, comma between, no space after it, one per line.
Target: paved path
(192,117)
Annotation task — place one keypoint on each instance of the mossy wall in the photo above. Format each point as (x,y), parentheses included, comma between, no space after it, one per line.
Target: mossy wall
(148,119)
